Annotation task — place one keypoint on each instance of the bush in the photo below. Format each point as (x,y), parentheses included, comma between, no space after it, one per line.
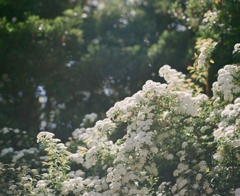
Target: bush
(167,139)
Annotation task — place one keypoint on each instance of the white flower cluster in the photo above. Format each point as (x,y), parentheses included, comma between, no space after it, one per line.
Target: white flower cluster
(227,85)
(19,154)
(237,192)
(228,129)
(189,166)
(236,48)
(6,130)
(131,160)
(176,80)
(6,151)
(41,188)
(205,52)
(157,131)
(77,134)
(188,104)
(86,95)
(44,135)
(78,184)
(210,17)
(91,118)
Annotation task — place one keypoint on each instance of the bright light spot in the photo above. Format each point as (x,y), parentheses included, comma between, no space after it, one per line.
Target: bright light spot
(42,116)
(43,123)
(145,3)
(180,27)
(133,12)
(20,93)
(84,15)
(86,9)
(40,27)
(53,125)
(96,41)
(123,21)
(40,91)
(14,19)
(42,99)
(62,106)
(101,6)
(70,63)
(86,95)
(94,3)
(108,91)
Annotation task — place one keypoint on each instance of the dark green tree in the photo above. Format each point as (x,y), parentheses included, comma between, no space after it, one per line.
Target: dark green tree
(39,42)
(61,60)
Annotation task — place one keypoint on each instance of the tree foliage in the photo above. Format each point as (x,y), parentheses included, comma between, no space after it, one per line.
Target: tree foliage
(79,57)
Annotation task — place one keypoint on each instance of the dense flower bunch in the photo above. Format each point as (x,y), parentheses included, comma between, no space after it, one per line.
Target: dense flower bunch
(150,122)
(206,50)
(175,80)
(199,70)
(227,133)
(236,48)
(227,137)
(211,19)
(228,85)
(163,140)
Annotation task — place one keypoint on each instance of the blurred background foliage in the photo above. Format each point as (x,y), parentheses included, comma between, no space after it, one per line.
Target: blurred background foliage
(60,60)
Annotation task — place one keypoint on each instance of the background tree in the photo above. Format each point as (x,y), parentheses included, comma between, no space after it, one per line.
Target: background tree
(61,60)
(36,48)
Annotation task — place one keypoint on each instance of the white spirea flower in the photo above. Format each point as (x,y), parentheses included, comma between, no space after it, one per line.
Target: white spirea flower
(182,192)
(199,177)
(44,135)
(236,48)
(124,150)
(181,182)
(227,132)
(184,144)
(6,151)
(175,79)
(76,157)
(92,117)
(174,188)
(237,192)
(105,125)
(41,184)
(189,105)
(205,52)
(169,157)
(5,130)
(217,157)
(19,154)
(210,17)
(225,84)
(202,166)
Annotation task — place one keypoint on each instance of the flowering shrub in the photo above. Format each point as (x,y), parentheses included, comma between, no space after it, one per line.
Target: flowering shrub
(166,139)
